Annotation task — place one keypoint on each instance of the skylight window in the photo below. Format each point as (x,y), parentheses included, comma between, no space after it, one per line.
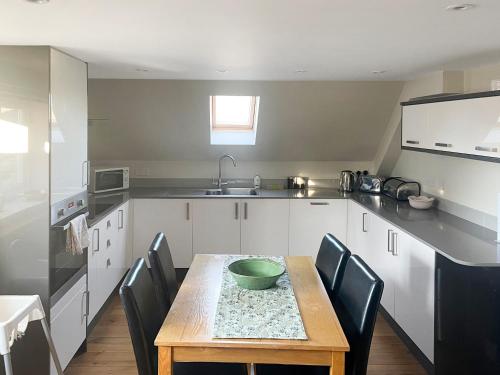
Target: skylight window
(233,119)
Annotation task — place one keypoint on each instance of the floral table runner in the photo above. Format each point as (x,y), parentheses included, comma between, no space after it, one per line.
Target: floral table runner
(272,313)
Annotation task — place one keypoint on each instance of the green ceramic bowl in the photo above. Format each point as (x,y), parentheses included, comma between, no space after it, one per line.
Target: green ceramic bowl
(256,274)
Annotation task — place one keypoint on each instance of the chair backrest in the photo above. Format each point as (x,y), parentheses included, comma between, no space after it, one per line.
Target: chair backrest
(330,262)
(356,306)
(162,268)
(144,316)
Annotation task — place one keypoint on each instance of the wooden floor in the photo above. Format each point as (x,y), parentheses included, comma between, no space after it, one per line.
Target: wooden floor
(109,350)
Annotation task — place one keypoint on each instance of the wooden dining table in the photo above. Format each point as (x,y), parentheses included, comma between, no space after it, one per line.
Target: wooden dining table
(187,332)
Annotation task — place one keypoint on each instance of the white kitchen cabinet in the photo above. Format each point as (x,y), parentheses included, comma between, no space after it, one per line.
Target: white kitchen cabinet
(174,217)
(264,226)
(358,229)
(68,114)
(121,262)
(216,226)
(465,126)
(414,298)
(68,323)
(96,269)
(311,219)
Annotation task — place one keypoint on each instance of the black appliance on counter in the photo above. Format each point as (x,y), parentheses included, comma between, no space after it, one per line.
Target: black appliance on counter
(400,188)
(467,319)
(297,182)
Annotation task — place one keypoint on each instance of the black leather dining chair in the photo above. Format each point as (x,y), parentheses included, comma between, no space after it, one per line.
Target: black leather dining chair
(330,263)
(356,306)
(163,271)
(144,318)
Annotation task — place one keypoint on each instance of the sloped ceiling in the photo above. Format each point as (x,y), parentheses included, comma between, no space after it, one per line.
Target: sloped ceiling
(298,121)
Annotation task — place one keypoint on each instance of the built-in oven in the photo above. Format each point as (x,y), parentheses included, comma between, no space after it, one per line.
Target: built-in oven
(65,268)
(109,179)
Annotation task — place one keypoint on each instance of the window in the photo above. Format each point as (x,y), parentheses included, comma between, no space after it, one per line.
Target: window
(233,119)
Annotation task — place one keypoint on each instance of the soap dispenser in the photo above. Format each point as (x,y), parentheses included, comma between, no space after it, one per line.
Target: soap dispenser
(256,182)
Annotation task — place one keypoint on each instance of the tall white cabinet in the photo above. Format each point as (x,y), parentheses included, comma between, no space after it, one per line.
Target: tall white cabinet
(68,126)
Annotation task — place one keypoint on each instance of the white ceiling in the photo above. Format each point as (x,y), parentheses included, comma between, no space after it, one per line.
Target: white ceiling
(259,39)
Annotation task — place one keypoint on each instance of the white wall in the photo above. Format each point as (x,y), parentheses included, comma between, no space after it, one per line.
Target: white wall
(469,183)
(310,128)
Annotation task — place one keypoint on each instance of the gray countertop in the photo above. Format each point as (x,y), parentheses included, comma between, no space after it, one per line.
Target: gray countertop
(457,239)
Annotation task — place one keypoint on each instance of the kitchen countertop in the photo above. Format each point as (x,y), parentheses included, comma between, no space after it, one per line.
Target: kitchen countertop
(457,239)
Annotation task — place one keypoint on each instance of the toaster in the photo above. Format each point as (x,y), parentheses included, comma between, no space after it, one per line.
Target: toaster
(370,184)
(400,188)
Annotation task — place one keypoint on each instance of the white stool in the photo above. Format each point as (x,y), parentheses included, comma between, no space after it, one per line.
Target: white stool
(15,314)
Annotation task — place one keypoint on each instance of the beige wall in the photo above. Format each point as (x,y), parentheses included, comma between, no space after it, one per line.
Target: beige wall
(309,128)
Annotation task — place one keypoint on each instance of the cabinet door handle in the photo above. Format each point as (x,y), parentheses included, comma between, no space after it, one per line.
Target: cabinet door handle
(86,294)
(389,241)
(120,219)
(236,211)
(94,250)
(319,203)
(187,212)
(439,144)
(438,305)
(364,222)
(108,263)
(85,173)
(486,149)
(108,224)
(245,210)
(108,243)
(411,142)
(395,249)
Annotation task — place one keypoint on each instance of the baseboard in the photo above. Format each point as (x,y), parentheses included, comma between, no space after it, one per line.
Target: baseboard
(412,347)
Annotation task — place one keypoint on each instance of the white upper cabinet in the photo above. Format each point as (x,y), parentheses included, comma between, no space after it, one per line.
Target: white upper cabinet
(264,226)
(68,107)
(311,219)
(174,218)
(465,126)
(216,226)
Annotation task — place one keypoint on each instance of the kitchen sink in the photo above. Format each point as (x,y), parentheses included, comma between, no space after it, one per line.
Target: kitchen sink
(232,191)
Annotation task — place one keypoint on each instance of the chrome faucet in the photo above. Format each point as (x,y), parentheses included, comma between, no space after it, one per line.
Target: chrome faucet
(219,180)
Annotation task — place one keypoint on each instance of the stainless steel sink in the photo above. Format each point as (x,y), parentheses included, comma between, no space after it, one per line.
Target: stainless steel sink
(232,191)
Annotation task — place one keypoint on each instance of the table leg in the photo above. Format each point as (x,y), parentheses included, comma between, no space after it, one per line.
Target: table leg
(165,363)
(52,348)
(338,363)
(8,364)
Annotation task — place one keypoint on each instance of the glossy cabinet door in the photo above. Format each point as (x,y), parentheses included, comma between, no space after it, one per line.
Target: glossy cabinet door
(449,125)
(68,323)
(415,130)
(264,226)
(96,269)
(216,226)
(121,252)
(173,217)
(358,229)
(311,220)
(414,309)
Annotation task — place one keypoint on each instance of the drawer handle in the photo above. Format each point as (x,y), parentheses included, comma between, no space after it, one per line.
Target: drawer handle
(236,211)
(319,203)
(108,243)
(439,144)
(364,222)
(108,224)
(410,142)
(120,219)
(187,211)
(486,149)
(108,263)
(245,210)
(95,250)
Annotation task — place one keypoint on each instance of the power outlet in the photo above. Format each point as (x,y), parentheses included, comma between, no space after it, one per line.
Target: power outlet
(141,172)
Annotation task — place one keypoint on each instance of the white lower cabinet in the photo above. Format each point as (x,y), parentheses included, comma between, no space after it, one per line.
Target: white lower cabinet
(68,323)
(311,219)
(216,226)
(264,226)
(174,217)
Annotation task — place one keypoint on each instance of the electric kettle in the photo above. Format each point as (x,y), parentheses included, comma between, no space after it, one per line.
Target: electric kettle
(347,180)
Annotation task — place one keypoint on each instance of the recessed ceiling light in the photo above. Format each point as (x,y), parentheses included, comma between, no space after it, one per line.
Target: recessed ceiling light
(459,7)
(221,70)
(379,71)
(38,1)
(301,71)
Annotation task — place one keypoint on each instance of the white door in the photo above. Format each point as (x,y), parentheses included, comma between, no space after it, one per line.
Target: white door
(174,217)
(121,261)
(216,226)
(311,219)
(68,147)
(264,226)
(379,256)
(415,126)
(358,226)
(414,299)
(447,122)
(68,323)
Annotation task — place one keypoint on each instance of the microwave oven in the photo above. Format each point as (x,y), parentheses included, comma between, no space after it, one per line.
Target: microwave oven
(109,179)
